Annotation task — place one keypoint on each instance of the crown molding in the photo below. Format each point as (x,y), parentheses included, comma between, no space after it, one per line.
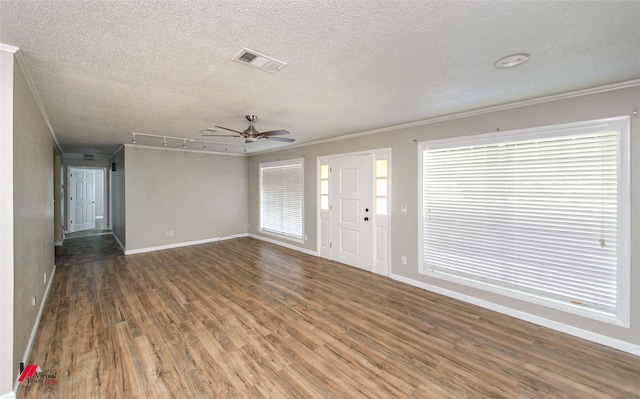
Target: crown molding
(25,71)
(117,151)
(8,48)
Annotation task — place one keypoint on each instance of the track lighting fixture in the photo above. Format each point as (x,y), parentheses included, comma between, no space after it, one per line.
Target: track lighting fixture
(205,143)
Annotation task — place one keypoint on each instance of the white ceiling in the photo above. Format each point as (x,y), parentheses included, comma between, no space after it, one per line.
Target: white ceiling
(107,68)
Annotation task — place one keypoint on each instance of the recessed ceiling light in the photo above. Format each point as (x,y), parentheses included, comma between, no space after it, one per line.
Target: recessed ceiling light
(512,60)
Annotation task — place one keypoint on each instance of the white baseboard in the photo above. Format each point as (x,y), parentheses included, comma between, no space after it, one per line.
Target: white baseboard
(286,245)
(8,395)
(34,330)
(182,244)
(518,314)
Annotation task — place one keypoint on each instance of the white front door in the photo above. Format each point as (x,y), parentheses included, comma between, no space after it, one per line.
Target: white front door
(82,199)
(351,210)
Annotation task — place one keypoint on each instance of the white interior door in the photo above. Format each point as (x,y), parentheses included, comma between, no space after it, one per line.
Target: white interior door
(82,199)
(351,210)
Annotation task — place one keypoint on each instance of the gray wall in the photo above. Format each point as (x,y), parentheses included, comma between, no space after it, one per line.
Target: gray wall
(198,196)
(118,222)
(404,191)
(57,197)
(32,211)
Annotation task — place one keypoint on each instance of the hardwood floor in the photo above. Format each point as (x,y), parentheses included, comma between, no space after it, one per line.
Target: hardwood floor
(248,319)
(84,249)
(87,233)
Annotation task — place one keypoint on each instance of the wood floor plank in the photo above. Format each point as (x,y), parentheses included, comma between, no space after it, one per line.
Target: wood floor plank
(247,319)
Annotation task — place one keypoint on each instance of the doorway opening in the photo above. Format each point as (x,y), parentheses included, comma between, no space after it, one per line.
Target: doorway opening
(87,206)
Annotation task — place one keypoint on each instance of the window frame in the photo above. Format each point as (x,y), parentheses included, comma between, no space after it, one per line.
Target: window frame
(623,164)
(270,232)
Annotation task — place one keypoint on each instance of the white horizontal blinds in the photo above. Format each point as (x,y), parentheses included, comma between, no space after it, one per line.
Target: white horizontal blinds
(281,198)
(538,216)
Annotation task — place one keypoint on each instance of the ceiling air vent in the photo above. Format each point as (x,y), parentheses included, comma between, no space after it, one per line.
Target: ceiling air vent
(260,61)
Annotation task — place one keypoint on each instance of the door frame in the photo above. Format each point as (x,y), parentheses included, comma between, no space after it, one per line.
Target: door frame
(105,195)
(381,224)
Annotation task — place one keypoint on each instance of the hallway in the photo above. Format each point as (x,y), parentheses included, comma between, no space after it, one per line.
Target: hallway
(78,250)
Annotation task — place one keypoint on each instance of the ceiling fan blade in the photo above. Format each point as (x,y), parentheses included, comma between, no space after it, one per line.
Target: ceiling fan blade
(285,139)
(220,135)
(275,133)
(231,130)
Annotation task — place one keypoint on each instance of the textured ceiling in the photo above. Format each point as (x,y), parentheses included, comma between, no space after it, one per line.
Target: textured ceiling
(104,69)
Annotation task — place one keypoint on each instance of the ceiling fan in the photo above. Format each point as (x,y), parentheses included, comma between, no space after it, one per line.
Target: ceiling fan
(251,134)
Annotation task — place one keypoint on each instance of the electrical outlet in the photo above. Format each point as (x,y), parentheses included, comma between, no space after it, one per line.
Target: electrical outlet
(33,301)
(403,210)
(404,260)
(45,277)
(171,233)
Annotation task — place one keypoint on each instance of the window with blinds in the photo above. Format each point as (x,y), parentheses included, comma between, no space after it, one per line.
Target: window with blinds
(539,214)
(281,198)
